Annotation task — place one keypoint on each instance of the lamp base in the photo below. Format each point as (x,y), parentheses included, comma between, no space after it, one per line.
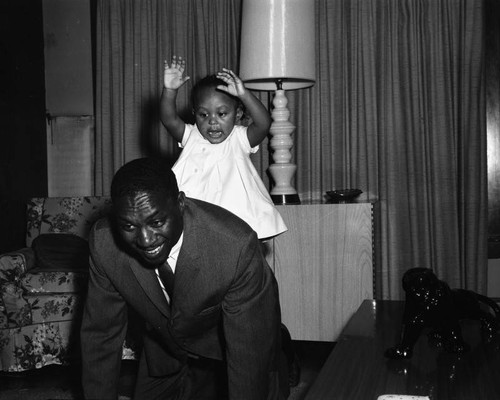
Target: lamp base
(285,199)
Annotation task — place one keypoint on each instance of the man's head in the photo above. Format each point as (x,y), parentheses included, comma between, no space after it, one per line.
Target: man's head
(215,111)
(148,208)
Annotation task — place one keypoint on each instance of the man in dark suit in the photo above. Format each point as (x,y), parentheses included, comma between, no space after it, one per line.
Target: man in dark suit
(220,314)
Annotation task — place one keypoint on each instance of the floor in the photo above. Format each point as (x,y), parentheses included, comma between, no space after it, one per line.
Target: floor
(63,383)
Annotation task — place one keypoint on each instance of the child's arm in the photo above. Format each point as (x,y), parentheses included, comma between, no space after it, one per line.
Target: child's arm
(172,81)
(261,120)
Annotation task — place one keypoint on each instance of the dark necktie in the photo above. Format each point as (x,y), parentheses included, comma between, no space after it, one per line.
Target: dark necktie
(167,278)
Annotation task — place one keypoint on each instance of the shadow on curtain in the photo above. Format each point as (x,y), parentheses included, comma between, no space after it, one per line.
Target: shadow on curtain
(397,110)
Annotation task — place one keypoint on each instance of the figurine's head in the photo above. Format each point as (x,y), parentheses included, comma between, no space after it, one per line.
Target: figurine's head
(420,283)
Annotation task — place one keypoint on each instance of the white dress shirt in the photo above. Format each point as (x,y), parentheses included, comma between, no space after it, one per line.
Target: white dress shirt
(172,262)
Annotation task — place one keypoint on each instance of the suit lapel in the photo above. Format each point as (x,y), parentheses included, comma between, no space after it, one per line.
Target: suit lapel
(191,253)
(148,280)
(186,271)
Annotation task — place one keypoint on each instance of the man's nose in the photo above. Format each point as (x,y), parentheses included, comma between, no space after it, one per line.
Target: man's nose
(146,237)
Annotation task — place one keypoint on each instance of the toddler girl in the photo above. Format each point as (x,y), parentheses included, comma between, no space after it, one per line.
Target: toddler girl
(215,164)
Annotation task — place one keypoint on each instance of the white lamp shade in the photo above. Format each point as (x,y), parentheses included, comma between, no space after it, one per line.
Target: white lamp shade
(277,42)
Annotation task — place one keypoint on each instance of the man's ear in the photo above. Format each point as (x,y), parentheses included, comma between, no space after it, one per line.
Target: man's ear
(181,200)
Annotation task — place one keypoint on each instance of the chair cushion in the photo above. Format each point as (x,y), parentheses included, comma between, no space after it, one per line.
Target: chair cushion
(61,252)
(39,281)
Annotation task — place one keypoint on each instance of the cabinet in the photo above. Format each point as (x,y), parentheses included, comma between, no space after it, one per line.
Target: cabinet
(323,265)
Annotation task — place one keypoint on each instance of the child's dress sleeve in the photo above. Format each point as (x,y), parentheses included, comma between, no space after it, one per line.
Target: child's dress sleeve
(185,136)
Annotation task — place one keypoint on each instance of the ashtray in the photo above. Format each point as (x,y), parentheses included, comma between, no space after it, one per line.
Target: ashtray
(343,195)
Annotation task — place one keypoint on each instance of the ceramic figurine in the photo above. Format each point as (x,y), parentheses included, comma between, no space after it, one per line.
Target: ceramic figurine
(430,303)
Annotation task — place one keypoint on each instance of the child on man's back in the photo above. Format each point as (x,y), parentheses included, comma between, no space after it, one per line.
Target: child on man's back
(215,163)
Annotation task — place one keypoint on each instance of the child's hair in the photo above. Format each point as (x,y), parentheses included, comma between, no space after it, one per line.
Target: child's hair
(211,82)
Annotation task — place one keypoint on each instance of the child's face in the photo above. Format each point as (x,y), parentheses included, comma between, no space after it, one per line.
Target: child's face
(216,114)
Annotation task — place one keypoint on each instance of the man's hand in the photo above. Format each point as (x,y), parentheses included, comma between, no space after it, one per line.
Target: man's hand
(235,86)
(172,75)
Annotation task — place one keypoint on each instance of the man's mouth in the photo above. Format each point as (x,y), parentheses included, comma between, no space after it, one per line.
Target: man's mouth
(154,251)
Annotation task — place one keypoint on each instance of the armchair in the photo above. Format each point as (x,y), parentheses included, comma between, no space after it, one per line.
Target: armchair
(41,301)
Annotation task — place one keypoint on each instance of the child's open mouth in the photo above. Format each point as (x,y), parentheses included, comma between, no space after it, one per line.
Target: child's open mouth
(215,134)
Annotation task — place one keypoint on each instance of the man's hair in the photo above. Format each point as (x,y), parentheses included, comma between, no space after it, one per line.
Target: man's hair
(145,175)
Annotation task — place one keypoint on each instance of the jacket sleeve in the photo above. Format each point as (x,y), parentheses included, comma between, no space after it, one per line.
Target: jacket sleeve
(251,321)
(103,329)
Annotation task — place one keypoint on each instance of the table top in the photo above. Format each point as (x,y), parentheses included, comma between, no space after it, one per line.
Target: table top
(358,369)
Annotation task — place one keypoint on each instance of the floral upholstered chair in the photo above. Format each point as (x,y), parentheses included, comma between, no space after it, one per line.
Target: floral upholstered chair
(42,286)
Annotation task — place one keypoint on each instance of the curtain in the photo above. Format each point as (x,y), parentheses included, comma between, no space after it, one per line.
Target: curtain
(134,37)
(401,115)
(397,110)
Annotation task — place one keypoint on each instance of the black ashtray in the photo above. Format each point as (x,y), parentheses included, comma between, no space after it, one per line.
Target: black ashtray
(343,195)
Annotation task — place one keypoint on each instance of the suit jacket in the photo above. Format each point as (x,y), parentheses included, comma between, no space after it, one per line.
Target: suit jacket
(225,305)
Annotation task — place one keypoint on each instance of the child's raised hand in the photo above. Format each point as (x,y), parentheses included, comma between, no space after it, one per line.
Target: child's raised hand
(234,85)
(172,75)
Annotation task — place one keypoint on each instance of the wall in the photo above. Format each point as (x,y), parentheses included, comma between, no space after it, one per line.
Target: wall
(25,73)
(69,97)
(68,57)
(22,116)
(492,77)
(492,72)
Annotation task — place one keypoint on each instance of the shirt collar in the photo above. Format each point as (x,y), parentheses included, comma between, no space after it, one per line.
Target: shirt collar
(174,253)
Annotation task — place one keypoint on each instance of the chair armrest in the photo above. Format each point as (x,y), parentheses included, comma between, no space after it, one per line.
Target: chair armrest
(15,264)
(14,309)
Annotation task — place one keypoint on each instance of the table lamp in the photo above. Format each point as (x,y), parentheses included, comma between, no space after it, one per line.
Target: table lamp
(277,54)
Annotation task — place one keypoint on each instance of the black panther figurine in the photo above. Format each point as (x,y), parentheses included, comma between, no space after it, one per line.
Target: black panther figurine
(430,303)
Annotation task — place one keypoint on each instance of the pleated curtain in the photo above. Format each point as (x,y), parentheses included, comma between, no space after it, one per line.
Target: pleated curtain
(397,110)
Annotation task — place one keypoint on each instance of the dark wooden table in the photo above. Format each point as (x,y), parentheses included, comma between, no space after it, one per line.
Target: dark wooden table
(357,368)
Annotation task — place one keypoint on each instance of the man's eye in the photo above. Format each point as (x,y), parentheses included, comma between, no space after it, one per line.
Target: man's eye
(157,223)
(127,227)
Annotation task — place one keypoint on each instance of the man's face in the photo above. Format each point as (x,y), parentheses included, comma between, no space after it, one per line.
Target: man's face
(150,224)
(216,114)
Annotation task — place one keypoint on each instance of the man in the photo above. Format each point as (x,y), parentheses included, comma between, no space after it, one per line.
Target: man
(223,309)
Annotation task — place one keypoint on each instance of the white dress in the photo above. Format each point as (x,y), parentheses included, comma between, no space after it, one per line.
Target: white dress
(223,174)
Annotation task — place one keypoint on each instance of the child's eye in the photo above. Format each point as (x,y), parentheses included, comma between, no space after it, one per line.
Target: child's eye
(222,114)
(203,115)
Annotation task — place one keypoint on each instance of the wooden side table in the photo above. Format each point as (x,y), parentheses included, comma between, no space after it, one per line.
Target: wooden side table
(323,265)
